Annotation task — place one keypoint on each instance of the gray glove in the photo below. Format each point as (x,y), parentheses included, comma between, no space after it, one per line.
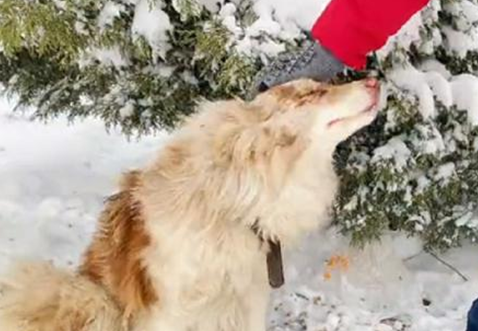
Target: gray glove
(312,61)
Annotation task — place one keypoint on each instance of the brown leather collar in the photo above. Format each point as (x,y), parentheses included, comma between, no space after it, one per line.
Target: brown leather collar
(275,267)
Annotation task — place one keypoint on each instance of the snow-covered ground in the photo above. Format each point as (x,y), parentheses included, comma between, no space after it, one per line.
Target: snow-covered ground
(53,180)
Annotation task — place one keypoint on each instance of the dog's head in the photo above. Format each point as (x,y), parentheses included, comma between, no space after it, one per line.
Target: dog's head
(234,153)
(289,119)
(327,113)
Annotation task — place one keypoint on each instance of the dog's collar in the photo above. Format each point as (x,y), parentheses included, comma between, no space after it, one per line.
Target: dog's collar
(275,267)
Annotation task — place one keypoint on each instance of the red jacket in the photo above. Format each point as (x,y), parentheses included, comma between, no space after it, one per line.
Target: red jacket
(351,29)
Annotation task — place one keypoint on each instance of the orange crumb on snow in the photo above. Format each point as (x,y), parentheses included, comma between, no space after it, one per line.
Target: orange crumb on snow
(336,262)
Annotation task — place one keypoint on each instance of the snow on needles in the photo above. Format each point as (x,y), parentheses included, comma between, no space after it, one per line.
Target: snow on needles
(411,79)
(110,56)
(461,90)
(465,94)
(108,13)
(395,150)
(300,15)
(152,23)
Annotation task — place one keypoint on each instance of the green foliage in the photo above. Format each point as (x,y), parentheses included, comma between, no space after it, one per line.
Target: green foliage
(187,9)
(413,173)
(52,58)
(41,28)
(409,186)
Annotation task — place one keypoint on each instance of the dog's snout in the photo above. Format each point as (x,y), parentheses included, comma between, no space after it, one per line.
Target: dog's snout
(371,83)
(373,87)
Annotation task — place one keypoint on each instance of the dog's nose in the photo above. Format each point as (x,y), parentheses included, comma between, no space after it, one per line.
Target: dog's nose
(371,82)
(372,86)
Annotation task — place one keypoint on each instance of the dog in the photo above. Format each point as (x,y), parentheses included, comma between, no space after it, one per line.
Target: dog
(192,241)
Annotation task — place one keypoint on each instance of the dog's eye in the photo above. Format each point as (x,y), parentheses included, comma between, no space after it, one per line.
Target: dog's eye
(318,92)
(321,92)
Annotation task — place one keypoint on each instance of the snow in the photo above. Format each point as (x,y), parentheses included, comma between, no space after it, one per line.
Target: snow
(469,220)
(383,288)
(302,14)
(460,42)
(229,20)
(411,79)
(445,171)
(433,146)
(440,86)
(394,150)
(436,82)
(110,57)
(466,13)
(152,23)
(110,11)
(127,110)
(211,5)
(275,20)
(54,178)
(465,93)
(407,35)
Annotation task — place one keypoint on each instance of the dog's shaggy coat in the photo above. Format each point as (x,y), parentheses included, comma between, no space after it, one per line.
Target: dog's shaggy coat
(174,250)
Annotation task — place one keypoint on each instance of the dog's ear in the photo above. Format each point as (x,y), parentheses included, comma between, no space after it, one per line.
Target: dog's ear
(224,144)
(282,136)
(235,144)
(282,146)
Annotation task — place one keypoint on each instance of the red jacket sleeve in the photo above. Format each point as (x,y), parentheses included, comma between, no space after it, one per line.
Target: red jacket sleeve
(351,29)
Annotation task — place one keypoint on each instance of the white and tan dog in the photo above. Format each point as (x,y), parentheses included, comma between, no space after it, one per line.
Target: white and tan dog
(184,245)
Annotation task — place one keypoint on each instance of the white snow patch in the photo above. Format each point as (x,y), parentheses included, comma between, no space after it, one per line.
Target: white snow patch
(422,184)
(110,11)
(80,28)
(465,13)
(211,5)
(227,13)
(434,65)
(127,110)
(408,34)
(61,4)
(470,11)
(460,42)
(54,180)
(411,79)
(263,25)
(151,22)
(275,19)
(433,146)
(469,220)
(440,86)
(465,95)
(110,57)
(445,171)
(302,14)
(395,150)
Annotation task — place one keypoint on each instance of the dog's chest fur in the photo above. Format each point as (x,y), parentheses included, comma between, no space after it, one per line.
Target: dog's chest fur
(207,273)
